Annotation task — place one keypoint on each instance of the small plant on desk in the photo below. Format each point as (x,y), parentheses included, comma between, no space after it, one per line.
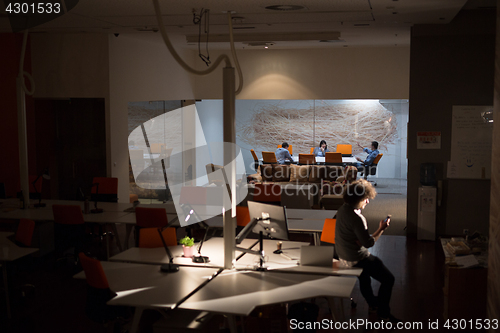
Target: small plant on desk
(187,246)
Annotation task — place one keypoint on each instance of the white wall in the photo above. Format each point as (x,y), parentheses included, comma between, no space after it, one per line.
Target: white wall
(140,69)
(336,73)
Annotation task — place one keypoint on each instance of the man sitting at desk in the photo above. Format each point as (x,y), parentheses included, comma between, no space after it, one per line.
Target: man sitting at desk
(372,154)
(351,242)
(282,154)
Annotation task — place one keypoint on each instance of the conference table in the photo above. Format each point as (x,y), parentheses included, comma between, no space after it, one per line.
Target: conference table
(321,160)
(9,252)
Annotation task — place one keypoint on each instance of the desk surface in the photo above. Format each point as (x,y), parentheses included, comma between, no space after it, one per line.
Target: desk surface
(213,248)
(239,292)
(9,251)
(146,286)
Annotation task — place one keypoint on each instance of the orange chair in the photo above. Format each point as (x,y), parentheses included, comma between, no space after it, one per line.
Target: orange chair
(24,233)
(69,229)
(255,160)
(242,216)
(156,148)
(107,191)
(99,293)
(307,159)
(333,158)
(269,157)
(345,150)
(268,193)
(150,238)
(311,151)
(149,218)
(328,233)
(372,169)
(290,149)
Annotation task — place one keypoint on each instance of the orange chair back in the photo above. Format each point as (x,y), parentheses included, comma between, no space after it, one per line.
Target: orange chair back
(290,148)
(149,237)
(307,159)
(311,151)
(377,159)
(151,217)
(333,157)
(254,155)
(328,233)
(242,216)
(344,149)
(269,157)
(67,214)
(267,193)
(107,185)
(24,232)
(156,148)
(93,272)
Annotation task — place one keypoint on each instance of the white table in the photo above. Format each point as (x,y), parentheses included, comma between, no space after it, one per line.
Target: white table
(240,292)
(349,159)
(145,286)
(9,252)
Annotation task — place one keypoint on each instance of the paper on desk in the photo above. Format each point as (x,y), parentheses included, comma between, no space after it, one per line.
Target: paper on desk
(466,261)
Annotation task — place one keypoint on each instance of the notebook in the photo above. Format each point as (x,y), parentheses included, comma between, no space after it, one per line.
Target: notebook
(316,256)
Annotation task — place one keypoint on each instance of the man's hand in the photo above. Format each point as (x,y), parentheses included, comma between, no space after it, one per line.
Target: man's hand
(360,146)
(360,160)
(384,224)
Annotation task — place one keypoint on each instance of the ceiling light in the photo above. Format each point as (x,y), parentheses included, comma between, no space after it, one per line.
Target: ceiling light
(285,7)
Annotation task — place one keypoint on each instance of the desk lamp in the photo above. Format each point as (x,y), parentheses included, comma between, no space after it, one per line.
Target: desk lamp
(45,174)
(96,210)
(170,267)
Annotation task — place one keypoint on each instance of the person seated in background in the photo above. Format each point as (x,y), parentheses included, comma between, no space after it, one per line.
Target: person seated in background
(282,154)
(321,150)
(372,154)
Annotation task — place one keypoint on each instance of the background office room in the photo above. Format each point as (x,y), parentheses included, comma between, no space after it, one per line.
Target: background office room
(128,126)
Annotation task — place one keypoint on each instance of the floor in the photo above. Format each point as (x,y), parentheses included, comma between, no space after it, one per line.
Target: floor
(57,304)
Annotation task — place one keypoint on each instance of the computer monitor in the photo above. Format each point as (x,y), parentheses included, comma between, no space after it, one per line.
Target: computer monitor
(269,219)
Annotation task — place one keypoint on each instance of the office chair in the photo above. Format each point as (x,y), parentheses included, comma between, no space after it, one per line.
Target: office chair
(255,160)
(290,149)
(99,293)
(371,170)
(242,216)
(24,232)
(333,158)
(311,151)
(69,230)
(307,159)
(328,236)
(106,190)
(345,150)
(149,237)
(269,157)
(149,218)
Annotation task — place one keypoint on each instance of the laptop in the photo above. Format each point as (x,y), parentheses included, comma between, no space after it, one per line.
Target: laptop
(316,256)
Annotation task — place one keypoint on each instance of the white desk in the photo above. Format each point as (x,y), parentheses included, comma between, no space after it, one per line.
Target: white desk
(214,249)
(145,286)
(240,292)
(112,212)
(9,252)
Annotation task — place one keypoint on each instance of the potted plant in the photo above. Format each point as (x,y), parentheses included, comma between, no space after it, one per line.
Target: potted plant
(187,246)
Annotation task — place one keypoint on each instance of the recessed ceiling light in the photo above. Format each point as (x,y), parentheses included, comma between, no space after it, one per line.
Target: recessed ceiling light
(285,7)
